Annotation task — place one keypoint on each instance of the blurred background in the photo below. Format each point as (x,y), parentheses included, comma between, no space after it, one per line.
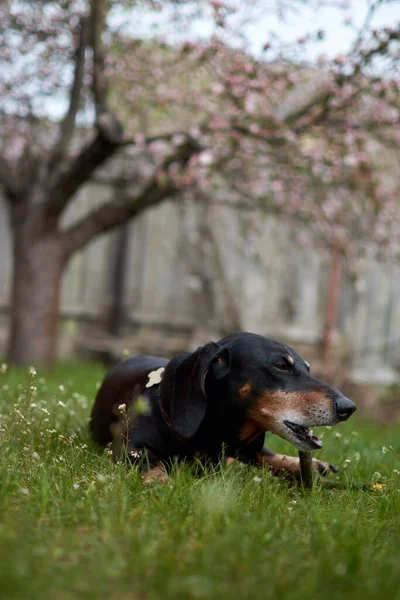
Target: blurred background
(171,172)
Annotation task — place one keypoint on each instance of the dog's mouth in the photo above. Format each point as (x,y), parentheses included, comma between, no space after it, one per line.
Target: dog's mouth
(303,435)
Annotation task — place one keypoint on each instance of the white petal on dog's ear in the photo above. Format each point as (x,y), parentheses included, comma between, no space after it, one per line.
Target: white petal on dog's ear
(155,377)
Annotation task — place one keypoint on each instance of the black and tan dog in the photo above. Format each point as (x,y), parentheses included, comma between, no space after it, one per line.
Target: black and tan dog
(225,394)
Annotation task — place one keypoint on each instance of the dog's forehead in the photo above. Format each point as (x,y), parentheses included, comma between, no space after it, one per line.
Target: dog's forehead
(274,348)
(263,349)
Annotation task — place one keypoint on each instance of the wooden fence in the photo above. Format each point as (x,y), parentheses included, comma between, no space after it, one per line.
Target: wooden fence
(192,272)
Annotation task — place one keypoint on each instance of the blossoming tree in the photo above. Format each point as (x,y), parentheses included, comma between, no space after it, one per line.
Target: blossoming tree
(293,137)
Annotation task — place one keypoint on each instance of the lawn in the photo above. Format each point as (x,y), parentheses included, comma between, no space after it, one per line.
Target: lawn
(75,525)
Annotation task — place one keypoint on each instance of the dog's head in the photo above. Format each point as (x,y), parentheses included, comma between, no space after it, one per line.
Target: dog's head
(268,382)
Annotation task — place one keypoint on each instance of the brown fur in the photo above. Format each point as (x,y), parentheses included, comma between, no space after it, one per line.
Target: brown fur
(245,390)
(155,474)
(249,432)
(269,406)
(287,466)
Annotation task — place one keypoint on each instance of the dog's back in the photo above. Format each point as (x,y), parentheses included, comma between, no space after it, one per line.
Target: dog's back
(118,387)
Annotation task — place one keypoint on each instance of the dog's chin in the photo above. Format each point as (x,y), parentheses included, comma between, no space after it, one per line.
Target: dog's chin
(299,436)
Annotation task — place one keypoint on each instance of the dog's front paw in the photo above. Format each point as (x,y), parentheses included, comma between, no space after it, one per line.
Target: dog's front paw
(154,474)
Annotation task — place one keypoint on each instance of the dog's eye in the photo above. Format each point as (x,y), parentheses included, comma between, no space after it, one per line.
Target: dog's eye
(282,366)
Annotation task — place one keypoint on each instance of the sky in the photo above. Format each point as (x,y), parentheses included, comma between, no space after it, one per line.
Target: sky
(338,39)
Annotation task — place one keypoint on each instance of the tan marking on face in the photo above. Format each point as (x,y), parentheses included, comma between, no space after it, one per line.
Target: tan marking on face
(249,432)
(290,359)
(270,406)
(245,390)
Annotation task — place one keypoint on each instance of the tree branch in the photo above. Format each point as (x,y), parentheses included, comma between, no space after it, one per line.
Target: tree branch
(379,49)
(68,123)
(7,180)
(98,11)
(106,120)
(109,138)
(126,205)
(79,171)
(114,213)
(364,27)
(299,101)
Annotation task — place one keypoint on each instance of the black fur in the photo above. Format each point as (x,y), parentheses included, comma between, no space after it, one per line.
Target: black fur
(198,407)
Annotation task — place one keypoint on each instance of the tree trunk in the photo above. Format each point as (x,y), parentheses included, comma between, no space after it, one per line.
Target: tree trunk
(37,271)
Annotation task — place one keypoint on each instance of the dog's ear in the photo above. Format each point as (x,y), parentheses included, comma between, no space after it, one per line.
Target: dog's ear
(221,363)
(182,389)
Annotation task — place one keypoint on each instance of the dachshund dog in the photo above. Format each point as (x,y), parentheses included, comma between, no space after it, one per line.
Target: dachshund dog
(225,395)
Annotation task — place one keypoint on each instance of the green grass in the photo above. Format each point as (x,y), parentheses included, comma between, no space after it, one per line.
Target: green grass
(75,525)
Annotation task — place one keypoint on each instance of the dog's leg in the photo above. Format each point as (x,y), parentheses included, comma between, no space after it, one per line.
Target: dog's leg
(157,473)
(283,465)
(152,467)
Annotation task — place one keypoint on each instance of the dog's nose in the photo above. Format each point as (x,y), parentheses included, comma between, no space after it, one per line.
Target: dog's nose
(344,407)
